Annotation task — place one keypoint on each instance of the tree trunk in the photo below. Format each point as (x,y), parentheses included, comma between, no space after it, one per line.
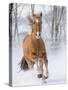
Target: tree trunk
(16,27)
(57,16)
(32,8)
(10,24)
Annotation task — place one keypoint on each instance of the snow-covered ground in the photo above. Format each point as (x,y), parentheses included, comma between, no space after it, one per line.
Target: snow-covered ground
(56,65)
(56,53)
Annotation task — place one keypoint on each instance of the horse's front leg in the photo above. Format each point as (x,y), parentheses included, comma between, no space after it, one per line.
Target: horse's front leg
(45,68)
(39,67)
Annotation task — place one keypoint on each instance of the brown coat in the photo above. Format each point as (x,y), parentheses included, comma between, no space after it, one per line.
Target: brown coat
(33,48)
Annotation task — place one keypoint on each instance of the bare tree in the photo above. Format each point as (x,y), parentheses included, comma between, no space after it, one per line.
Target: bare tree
(10,24)
(20,11)
(32,8)
(16,27)
(57,16)
(17,13)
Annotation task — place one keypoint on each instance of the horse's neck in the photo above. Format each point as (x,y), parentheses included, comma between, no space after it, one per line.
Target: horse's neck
(33,36)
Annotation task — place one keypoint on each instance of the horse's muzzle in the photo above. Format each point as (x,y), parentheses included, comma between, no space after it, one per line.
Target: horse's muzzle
(38,35)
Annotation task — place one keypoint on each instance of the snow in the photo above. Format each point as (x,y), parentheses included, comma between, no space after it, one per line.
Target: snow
(56,53)
(56,65)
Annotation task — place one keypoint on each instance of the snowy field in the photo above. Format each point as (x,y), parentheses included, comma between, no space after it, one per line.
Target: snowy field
(56,52)
(56,65)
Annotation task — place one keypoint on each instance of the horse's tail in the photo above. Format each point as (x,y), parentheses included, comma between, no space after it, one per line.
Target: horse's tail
(23,64)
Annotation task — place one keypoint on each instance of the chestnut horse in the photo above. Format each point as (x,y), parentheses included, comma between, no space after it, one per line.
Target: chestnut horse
(34,49)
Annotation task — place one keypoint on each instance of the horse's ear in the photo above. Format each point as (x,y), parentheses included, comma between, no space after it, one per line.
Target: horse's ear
(41,14)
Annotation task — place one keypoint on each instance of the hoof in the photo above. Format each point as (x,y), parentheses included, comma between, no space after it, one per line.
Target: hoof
(39,75)
(45,77)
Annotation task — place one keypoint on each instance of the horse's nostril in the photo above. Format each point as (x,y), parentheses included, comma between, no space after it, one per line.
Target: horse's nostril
(36,34)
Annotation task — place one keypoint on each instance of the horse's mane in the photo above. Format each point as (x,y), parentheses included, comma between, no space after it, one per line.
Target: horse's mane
(26,37)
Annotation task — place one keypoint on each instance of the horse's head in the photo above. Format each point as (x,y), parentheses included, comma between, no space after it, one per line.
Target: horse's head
(36,22)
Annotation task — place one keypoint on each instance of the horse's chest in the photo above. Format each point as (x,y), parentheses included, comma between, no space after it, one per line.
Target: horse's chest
(38,48)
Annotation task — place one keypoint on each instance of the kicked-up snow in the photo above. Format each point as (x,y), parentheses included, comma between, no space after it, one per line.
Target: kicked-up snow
(56,65)
(56,53)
